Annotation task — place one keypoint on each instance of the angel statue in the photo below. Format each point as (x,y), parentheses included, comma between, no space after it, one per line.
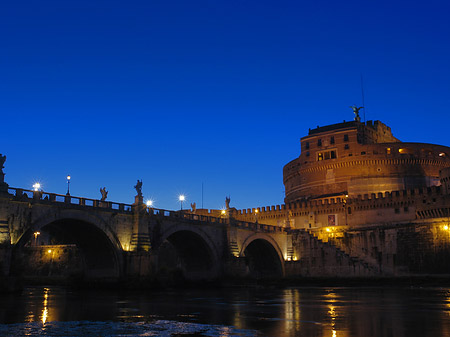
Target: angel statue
(2,161)
(104,193)
(356,112)
(227,202)
(138,187)
(194,207)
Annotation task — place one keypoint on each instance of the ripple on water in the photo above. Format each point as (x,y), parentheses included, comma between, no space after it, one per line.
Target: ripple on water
(161,328)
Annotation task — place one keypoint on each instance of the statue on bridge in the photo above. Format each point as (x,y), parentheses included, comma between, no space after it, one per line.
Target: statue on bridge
(3,185)
(104,193)
(227,203)
(138,188)
(194,207)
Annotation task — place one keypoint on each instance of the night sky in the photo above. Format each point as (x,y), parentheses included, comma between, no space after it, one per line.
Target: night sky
(219,93)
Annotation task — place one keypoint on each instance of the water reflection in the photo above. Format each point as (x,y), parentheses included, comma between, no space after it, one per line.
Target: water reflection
(45,310)
(336,312)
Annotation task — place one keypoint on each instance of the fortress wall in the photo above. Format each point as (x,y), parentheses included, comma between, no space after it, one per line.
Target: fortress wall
(318,259)
(421,247)
(361,210)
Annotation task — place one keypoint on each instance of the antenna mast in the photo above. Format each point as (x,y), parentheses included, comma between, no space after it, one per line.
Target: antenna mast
(362,94)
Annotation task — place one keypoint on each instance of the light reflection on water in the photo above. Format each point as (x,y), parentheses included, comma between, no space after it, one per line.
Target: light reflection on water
(335,312)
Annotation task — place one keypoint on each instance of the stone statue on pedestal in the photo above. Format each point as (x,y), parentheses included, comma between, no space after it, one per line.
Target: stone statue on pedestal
(138,199)
(194,207)
(2,161)
(104,193)
(138,188)
(356,112)
(3,185)
(227,203)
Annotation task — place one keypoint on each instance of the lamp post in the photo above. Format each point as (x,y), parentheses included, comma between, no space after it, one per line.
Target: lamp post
(36,187)
(68,184)
(35,237)
(181,198)
(346,209)
(149,203)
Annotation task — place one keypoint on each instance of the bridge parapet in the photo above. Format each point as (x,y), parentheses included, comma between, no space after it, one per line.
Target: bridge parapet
(254,226)
(20,194)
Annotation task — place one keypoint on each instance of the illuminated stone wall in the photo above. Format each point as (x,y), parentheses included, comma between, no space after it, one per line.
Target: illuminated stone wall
(49,261)
(403,249)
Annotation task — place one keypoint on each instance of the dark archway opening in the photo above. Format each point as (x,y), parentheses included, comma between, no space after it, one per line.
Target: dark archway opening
(262,260)
(66,250)
(186,255)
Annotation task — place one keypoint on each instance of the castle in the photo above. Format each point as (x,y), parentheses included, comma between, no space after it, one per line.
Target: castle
(357,174)
(357,188)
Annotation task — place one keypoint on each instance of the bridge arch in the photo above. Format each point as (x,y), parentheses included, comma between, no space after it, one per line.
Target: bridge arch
(98,248)
(263,255)
(190,249)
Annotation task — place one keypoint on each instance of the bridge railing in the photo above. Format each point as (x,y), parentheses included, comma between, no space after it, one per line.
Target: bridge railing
(211,219)
(41,196)
(21,194)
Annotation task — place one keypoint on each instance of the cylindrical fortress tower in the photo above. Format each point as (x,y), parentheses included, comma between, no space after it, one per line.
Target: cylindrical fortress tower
(353,158)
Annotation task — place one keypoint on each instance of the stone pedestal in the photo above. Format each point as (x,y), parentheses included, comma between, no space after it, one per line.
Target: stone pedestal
(3,186)
(140,239)
(138,200)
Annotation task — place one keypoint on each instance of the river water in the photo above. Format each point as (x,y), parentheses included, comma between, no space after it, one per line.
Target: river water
(308,311)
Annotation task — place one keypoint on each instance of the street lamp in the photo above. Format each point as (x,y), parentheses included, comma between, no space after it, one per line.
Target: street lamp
(181,198)
(35,237)
(149,203)
(68,184)
(36,187)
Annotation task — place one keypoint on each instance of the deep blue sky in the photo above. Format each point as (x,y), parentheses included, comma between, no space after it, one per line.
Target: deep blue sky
(180,93)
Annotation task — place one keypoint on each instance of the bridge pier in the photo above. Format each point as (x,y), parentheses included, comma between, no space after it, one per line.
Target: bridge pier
(140,238)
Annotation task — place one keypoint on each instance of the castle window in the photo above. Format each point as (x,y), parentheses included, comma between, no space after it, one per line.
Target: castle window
(405,151)
(307,153)
(405,209)
(345,138)
(397,210)
(319,142)
(307,145)
(346,147)
(332,140)
(325,155)
(363,153)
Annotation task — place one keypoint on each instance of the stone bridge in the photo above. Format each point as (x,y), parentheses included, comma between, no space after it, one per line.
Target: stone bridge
(59,235)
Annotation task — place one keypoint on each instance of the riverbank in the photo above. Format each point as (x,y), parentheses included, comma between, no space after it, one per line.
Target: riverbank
(15,284)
